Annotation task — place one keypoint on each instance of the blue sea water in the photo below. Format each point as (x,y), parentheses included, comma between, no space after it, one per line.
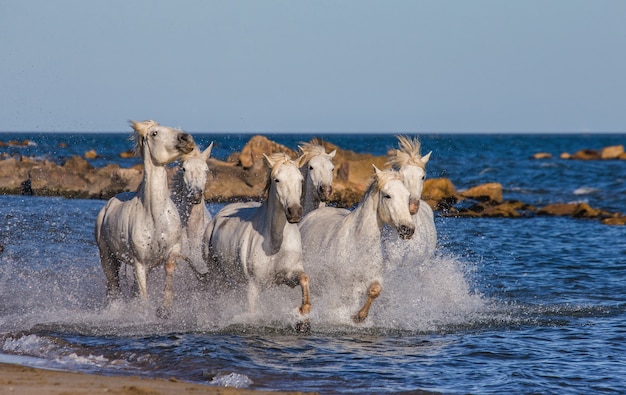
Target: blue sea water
(527,305)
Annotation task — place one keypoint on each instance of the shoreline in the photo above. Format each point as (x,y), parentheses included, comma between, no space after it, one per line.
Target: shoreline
(26,380)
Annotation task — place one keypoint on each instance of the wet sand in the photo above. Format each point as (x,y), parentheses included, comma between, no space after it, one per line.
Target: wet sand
(17,379)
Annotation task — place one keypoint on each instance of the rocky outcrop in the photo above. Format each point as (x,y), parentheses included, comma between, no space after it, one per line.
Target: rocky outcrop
(242,177)
(490,192)
(607,153)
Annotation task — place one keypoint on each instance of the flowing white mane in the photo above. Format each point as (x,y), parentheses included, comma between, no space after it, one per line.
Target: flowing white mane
(274,162)
(407,154)
(310,150)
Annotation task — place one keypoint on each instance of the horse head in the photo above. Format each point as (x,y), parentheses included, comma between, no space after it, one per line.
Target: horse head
(194,174)
(162,144)
(412,165)
(318,167)
(393,202)
(285,184)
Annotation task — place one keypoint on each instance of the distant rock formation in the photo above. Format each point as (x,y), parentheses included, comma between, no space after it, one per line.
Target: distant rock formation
(614,152)
(242,177)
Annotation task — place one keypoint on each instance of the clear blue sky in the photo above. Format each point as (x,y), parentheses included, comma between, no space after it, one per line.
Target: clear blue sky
(319,66)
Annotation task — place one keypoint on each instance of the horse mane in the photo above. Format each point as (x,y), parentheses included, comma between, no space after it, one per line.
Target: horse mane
(278,159)
(309,150)
(380,179)
(407,154)
(140,129)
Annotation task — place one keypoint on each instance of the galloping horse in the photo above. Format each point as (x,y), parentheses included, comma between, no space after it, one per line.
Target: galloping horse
(259,244)
(412,165)
(187,192)
(317,168)
(143,229)
(343,248)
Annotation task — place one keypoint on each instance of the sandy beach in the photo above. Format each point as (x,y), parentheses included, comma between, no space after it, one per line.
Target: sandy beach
(17,379)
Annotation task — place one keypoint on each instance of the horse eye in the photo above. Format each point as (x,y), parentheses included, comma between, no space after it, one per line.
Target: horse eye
(310,167)
(276,180)
(387,196)
(423,178)
(154,133)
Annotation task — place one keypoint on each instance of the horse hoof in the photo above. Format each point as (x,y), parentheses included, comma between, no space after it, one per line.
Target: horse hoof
(357,318)
(303,326)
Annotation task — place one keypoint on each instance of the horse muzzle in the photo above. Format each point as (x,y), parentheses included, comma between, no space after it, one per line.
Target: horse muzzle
(185,143)
(414,206)
(324,192)
(196,196)
(405,232)
(294,214)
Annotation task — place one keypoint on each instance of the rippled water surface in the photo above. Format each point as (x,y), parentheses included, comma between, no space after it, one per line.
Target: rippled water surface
(528,305)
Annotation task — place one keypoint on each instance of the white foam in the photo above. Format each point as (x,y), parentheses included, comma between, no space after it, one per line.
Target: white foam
(585,190)
(233,380)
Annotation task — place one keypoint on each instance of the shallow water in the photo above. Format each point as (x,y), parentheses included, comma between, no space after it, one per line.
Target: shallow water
(529,305)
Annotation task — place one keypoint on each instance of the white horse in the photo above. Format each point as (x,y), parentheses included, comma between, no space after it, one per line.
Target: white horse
(342,248)
(412,165)
(143,229)
(317,168)
(258,244)
(187,192)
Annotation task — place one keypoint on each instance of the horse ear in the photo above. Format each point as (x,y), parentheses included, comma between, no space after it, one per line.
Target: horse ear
(376,169)
(300,161)
(426,157)
(207,152)
(142,127)
(332,154)
(268,161)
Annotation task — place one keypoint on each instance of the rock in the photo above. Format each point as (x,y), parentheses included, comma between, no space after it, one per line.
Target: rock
(612,152)
(558,209)
(91,154)
(439,193)
(16,143)
(77,165)
(229,181)
(617,219)
(258,145)
(128,154)
(586,154)
(489,192)
(542,155)
(576,210)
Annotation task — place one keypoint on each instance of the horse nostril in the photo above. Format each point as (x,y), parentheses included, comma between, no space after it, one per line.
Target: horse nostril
(185,143)
(325,191)
(406,232)
(294,214)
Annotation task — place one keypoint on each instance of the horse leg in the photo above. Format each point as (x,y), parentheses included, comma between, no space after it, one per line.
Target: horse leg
(253,296)
(302,279)
(168,293)
(111,268)
(140,279)
(373,292)
(306,298)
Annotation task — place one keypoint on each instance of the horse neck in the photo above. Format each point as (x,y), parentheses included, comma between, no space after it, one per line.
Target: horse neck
(364,218)
(154,191)
(309,198)
(271,218)
(195,219)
